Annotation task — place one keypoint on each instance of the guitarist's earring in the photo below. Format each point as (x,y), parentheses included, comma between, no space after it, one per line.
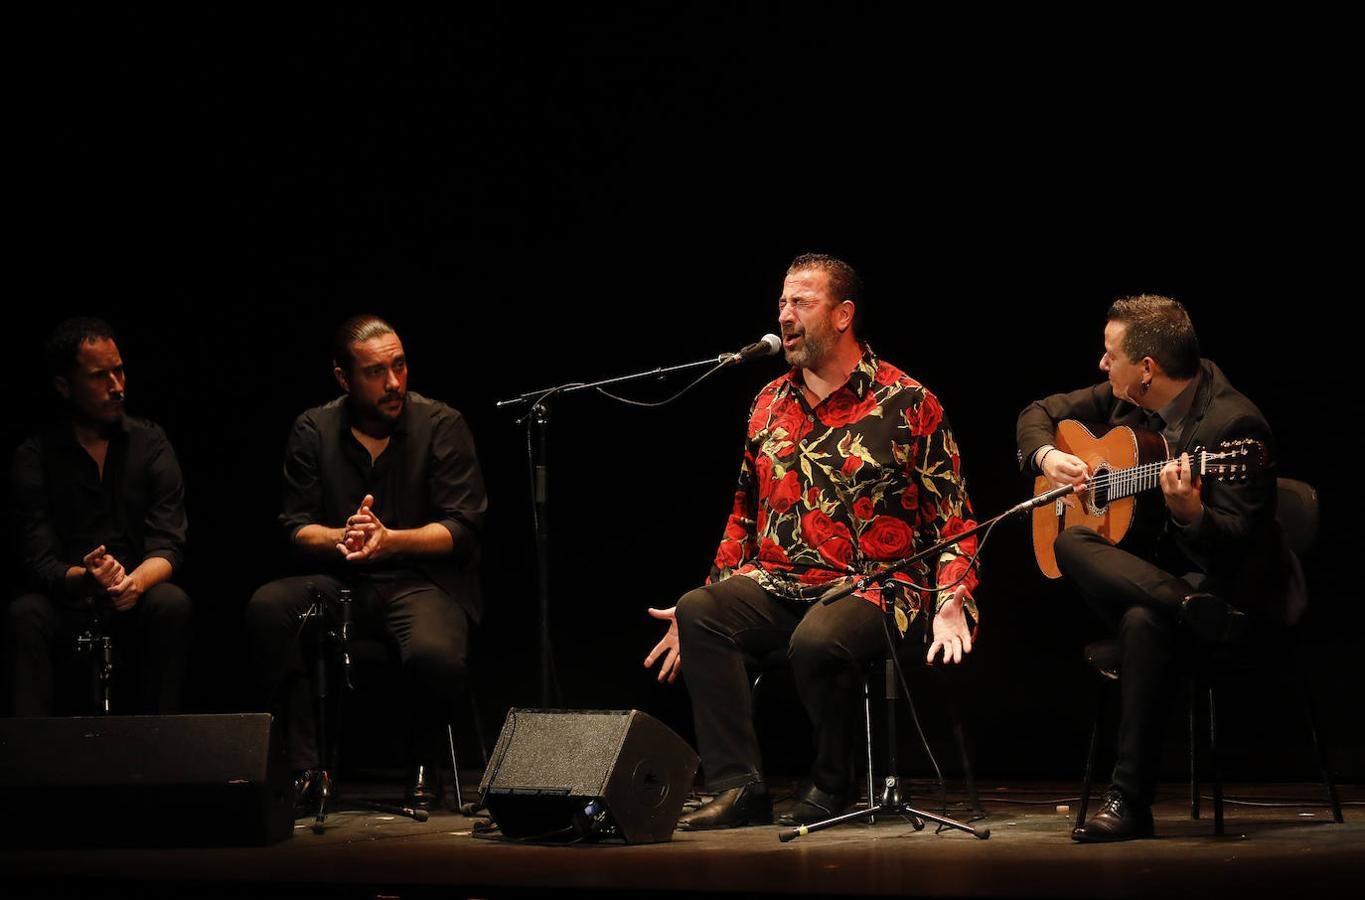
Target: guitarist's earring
(1145,385)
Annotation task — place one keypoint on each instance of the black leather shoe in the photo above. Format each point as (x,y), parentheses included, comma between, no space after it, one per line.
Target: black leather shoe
(735,808)
(1213,620)
(310,786)
(810,805)
(1117,820)
(424,790)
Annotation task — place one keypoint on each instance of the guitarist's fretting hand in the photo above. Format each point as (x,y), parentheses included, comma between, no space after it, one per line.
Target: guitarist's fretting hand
(1061,468)
(1180,485)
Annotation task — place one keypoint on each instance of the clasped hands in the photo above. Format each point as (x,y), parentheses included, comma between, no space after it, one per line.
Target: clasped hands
(107,572)
(364,537)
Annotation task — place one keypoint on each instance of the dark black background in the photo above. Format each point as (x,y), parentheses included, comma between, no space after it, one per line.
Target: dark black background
(533,200)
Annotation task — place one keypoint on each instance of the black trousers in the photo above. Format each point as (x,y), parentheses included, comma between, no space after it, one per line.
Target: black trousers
(157,631)
(1141,602)
(828,647)
(430,629)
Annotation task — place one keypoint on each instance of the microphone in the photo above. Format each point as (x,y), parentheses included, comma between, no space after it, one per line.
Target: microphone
(767,346)
(1043,499)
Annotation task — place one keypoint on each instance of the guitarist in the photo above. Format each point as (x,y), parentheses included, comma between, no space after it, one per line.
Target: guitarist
(1217,544)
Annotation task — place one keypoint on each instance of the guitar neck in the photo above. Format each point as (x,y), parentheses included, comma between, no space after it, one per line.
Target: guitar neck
(1131,481)
(1120,483)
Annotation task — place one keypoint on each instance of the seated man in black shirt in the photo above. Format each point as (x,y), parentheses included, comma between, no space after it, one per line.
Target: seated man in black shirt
(100,513)
(382,495)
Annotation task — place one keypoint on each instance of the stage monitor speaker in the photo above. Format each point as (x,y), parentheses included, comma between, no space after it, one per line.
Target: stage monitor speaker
(592,775)
(142,780)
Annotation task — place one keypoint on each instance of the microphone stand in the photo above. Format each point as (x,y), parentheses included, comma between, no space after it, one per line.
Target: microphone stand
(537,421)
(891,800)
(331,635)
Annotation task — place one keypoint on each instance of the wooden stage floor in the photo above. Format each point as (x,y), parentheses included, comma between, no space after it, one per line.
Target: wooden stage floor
(1268,850)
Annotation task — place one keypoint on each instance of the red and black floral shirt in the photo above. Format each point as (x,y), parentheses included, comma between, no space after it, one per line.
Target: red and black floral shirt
(866,478)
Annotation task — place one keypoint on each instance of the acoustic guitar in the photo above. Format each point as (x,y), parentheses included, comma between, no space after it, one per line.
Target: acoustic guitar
(1124,462)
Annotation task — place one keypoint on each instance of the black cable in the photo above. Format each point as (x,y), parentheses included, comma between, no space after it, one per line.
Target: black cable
(486,835)
(1316,802)
(705,375)
(1282,804)
(926,589)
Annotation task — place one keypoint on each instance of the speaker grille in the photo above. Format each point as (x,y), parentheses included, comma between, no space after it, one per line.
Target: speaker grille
(567,752)
(587,775)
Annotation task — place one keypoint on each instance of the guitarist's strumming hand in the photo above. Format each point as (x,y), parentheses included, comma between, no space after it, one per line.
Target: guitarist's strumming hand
(1180,485)
(1061,468)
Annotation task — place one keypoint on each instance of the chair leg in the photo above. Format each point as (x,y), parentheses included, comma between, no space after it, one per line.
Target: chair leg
(1328,785)
(1213,759)
(960,738)
(1194,750)
(1084,804)
(867,727)
(454,768)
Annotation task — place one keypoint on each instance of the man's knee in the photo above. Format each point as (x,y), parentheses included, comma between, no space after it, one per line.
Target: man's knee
(1144,621)
(168,602)
(694,607)
(29,614)
(811,649)
(273,605)
(820,646)
(1070,546)
(438,658)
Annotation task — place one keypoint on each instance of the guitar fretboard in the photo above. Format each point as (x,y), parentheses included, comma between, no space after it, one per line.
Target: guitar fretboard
(1120,483)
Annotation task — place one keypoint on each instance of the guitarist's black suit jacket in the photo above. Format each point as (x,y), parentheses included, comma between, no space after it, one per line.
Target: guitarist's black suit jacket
(1237,543)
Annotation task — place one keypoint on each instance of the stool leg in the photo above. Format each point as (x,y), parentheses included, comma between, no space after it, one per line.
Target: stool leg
(454,768)
(867,727)
(963,757)
(1328,785)
(1090,760)
(1213,758)
(1194,750)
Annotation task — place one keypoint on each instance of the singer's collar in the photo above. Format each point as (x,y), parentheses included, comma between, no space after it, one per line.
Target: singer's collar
(860,380)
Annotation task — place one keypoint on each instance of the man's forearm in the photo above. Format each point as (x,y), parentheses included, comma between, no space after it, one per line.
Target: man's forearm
(77,585)
(429,540)
(152,571)
(319,540)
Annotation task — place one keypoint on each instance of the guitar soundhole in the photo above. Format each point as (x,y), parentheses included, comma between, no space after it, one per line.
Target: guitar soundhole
(1099,491)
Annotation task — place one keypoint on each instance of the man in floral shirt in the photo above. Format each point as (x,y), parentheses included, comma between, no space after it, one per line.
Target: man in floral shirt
(849,466)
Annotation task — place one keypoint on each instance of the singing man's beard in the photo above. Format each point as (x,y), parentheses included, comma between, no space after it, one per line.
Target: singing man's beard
(814,347)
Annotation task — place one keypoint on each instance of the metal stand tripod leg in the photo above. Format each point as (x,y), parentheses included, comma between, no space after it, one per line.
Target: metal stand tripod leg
(891,801)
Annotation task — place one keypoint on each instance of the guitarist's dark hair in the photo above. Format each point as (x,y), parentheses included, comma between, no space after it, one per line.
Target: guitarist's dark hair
(1158,327)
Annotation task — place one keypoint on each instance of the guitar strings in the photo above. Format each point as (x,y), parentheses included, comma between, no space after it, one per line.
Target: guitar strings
(1145,470)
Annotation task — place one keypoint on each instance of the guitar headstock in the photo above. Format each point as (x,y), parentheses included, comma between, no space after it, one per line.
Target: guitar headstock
(1234,460)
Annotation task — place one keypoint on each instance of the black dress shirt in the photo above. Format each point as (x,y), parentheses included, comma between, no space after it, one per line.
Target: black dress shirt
(65,508)
(428,473)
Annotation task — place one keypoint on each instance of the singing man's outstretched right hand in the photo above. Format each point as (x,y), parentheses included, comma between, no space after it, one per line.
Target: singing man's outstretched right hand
(668,647)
